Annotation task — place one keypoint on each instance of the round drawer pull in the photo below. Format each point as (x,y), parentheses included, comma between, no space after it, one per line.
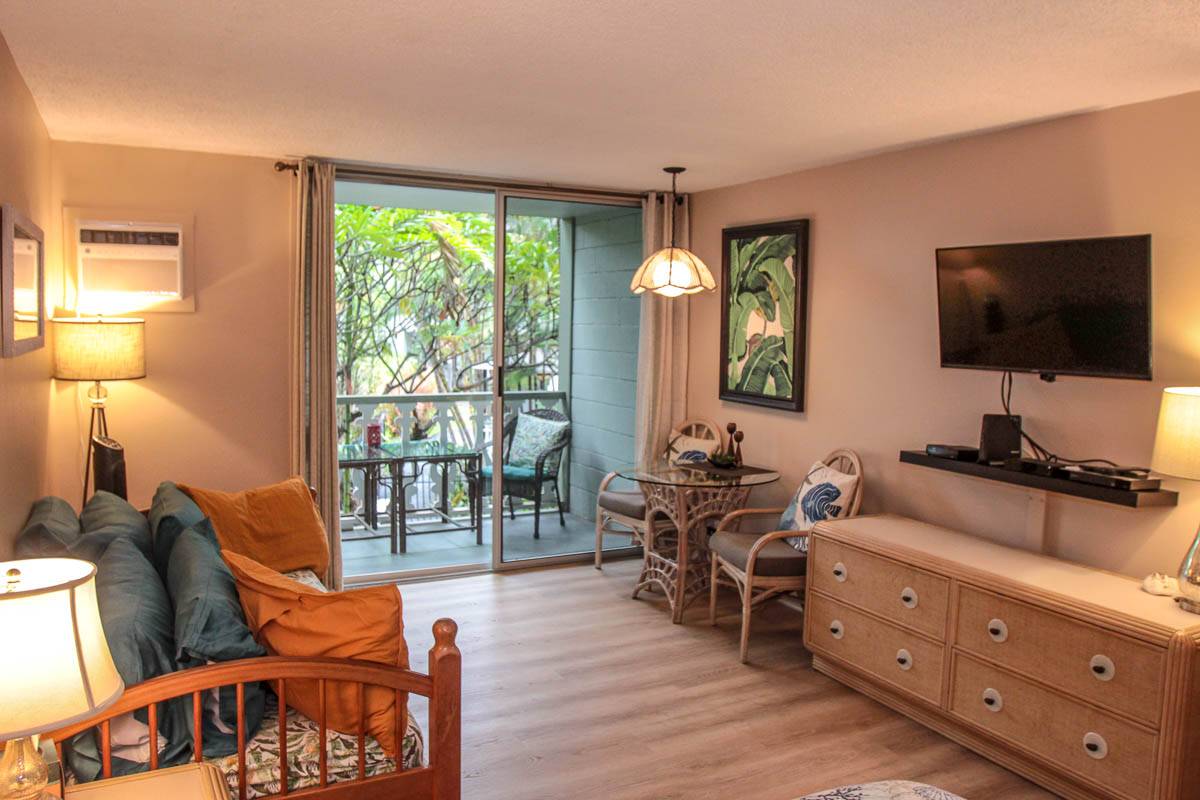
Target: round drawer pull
(1103,669)
(998,630)
(904,659)
(839,572)
(1094,745)
(908,596)
(837,629)
(993,700)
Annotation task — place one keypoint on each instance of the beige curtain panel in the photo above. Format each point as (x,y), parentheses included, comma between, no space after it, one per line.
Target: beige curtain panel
(663,335)
(314,351)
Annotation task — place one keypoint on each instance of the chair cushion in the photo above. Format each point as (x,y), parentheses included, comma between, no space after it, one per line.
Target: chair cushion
(293,619)
(534,436)
(824,494)
(778,559)
(512,473)
(628,504)
(276,525)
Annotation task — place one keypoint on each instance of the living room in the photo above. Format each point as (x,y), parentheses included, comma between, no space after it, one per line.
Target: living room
(249,132)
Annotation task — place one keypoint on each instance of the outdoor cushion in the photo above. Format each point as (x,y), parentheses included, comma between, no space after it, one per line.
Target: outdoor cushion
(628,504)
(292,619)
(171,513)
(106,517)
(824,494)
(51,529)
(778,559)
(139,628)
(511,473)
(276,525)
(210,626)
(534,436)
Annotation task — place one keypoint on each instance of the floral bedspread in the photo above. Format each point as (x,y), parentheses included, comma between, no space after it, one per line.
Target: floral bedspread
(303,749)
(884,790)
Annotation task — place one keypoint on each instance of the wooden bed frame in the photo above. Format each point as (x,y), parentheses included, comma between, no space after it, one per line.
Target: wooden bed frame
(441,780)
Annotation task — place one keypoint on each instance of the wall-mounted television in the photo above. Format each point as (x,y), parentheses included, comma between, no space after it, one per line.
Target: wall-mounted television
(1068,307)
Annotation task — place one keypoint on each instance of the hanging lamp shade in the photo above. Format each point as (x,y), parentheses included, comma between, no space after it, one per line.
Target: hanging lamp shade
(671,272)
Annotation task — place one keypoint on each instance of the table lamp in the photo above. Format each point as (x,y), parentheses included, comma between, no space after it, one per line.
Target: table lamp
(98,349)
(55,667)
(1177,453)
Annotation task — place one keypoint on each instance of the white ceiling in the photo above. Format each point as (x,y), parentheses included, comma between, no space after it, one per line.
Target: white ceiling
(602,92)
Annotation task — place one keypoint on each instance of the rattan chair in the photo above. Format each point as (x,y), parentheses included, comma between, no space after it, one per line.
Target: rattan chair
(628,509)
(762,565)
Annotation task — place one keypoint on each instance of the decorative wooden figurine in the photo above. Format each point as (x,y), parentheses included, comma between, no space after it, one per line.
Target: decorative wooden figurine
(737,456)
(731,429)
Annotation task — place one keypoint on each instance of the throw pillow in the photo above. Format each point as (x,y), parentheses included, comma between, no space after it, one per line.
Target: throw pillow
(824,494)
(681,446)
(171,513)
(292,619)
(209,626)
(51,529)
(534,436)
(138,625)
(107,517)
(276,525)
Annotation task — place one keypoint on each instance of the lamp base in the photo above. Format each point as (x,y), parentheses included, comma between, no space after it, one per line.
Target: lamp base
(23,773)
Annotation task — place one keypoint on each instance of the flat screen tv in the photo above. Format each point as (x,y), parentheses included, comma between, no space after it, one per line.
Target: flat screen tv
(1069,307)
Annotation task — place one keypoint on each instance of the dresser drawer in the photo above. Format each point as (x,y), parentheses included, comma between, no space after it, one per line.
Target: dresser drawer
(891,654)
(888,588)
(1095,746)
(1085,660)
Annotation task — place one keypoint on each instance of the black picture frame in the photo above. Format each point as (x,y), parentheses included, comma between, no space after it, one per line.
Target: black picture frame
(771,241)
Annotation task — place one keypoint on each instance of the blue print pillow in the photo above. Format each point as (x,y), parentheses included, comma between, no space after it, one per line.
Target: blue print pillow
(825,494)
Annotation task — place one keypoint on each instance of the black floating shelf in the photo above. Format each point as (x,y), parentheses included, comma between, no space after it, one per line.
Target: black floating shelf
(1089,491)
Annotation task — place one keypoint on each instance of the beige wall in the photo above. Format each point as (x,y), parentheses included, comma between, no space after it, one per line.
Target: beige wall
(24,380)
(213,409)
(874,383)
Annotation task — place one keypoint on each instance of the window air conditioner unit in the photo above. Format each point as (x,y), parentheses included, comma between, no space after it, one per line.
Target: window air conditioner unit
(128,264)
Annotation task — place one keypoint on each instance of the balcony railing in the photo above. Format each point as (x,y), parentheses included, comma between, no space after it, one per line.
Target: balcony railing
(463,418)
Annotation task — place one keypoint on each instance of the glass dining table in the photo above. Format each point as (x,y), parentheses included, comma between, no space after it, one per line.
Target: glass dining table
(676,561)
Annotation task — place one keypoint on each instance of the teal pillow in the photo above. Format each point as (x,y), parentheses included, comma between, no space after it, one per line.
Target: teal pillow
(210,626)
(108,517)
(534,436)
(171,513)
(51,530)
(139,627)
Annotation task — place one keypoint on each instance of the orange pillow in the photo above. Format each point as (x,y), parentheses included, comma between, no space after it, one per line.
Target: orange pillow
(291,619)
(277,526)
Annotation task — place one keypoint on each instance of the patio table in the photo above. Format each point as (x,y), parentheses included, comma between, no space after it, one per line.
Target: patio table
(689,496)
(400,464)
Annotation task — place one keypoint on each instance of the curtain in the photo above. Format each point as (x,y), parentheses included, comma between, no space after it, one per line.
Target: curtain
(662,336)
(314,353)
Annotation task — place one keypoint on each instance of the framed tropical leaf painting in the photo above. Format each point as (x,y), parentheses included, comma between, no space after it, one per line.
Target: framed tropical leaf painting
(764,300)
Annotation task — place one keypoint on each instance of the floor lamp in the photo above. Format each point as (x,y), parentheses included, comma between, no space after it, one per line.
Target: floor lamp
(98,349)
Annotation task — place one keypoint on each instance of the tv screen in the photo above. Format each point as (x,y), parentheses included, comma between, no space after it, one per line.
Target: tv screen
(1070,307)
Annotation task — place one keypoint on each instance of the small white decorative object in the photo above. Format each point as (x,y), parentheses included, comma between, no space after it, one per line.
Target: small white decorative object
(1160,584)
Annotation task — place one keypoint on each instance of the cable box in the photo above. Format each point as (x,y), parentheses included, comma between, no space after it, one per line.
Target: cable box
(1036,466)
(1125,482)
(954,452)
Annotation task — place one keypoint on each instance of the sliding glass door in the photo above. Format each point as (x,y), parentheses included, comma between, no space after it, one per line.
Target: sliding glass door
(485,382)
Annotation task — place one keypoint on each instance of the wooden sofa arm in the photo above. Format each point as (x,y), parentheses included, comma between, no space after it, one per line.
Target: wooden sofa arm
(733,520)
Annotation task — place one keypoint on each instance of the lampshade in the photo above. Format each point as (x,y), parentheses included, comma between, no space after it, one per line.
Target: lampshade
(671,272)
(1177,442)
(55,667)
(99,348)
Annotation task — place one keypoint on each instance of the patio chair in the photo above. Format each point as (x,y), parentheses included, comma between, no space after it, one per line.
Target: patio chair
(533,447)
(628,509)
(764,562)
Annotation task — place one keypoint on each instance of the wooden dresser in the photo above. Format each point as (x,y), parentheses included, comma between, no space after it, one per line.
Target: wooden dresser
(1069,675)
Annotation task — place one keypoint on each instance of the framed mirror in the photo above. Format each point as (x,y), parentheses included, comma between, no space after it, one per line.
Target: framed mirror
(22,283)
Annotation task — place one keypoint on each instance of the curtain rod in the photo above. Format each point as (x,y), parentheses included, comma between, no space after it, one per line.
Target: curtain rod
(368,172)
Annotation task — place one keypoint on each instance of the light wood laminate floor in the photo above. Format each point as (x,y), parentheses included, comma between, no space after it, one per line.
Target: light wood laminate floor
(573,690)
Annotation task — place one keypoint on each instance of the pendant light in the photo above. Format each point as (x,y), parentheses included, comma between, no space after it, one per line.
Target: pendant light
(673,270)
